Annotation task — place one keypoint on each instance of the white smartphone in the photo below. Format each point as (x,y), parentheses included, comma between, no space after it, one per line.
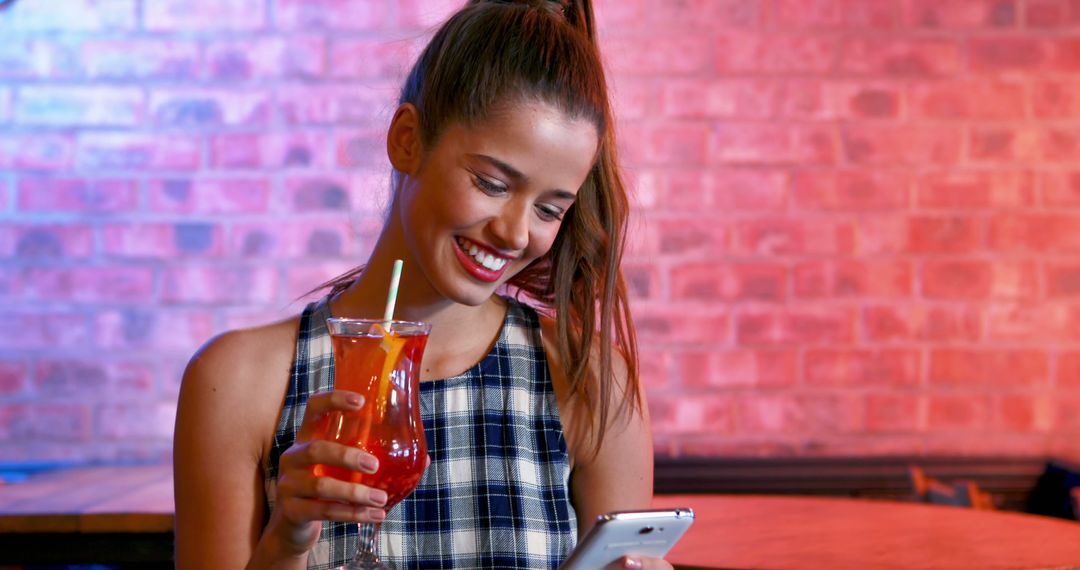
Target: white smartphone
(637,533)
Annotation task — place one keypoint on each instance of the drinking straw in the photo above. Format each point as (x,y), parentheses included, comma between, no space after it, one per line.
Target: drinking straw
(391,297)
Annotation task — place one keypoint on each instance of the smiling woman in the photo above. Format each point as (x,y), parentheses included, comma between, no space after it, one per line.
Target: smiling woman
(504,180)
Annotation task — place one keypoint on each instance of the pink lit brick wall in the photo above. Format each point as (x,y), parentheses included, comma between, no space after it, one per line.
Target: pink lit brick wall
(857,227)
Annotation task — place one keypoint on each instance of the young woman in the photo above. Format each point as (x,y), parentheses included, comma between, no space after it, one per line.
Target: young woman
(504,179)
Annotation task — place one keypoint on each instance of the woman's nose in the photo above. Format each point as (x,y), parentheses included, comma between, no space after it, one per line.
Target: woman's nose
(511,227)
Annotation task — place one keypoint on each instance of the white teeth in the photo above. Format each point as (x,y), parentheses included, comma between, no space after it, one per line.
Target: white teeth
(491,262)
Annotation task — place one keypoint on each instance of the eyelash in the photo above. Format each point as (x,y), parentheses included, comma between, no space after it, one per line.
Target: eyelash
(492,189)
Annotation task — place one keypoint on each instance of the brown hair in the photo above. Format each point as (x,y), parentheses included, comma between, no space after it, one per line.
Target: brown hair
(487,56)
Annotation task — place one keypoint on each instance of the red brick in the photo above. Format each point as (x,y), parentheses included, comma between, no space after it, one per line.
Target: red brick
(46,241)
(293,240)
(1047,14)
(79,106)
(921,322)
(130,58)
(902,145)
(372,58)
(1068,370)
(81,195)
(853,279)
(1008,54)
(772,144)
(728,282)
(23,423)
(77,16)
(735,189)
(368,103)
(962,14)
(850,190)
(692,237)
(735,368)
(860,367)
(632,98)
(940,234)
(865,99)
(210,195)
(687,416)
(1061,188)
(747,99)
(642,280)
(13,378)
(662,54)
(958,279)
(794,236)
(331,14)
(894,57)
(1035,233)
(808,325)
(135,421)
(219,285)
(52,330)
(1056,97)
(314,194)
(138,328)
(1020,413)
(1062,279)
(119,284)
(966,189)
(1066,55)
(882,233)
(742,52)
(35,58)
(5,104)
(858,14)
(678,144)
(70,379)
(695,15)
(799,413)
(209,107)
(975,368)
(136,151)
(181,15)
(426,14)
(998,99)
(266,58)
(301,149)
(163,240)
(1060,144)
(658,326)
(361,148)
(1004,144)
(892,412)
(666,190)
(1066,418)
(956,412)
(1026,321)
(37,151)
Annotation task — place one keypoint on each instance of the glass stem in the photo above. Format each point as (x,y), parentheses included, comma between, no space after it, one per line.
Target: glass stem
(367,553)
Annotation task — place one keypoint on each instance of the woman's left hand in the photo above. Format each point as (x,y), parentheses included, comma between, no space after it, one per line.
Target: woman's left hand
(640,563)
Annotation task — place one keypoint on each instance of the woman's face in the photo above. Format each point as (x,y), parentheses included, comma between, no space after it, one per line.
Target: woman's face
(489,198)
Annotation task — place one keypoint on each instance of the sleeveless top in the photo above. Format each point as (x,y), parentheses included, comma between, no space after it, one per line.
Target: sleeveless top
(496,494)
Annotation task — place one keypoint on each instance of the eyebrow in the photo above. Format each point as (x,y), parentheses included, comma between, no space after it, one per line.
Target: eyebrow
(519,176)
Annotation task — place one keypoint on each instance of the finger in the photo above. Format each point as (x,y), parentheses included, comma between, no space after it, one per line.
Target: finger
(318,405)
(302,456)
(630,563)
(301,511)
(330,489)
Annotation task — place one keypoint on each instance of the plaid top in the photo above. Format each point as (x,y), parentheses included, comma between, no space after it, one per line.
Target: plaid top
(496,493)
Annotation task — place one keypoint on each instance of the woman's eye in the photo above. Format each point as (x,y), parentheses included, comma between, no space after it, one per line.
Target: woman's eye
(488,186)
(549,214)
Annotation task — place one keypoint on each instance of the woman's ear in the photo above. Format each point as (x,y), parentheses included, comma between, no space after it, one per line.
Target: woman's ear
(403,139)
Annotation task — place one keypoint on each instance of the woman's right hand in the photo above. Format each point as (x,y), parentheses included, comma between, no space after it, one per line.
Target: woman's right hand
(304,500)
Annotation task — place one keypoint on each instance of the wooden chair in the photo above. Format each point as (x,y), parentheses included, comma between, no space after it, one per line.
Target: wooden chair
(960,494)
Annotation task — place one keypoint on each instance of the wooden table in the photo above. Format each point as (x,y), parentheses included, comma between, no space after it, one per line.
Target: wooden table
(780,533)
(121,515)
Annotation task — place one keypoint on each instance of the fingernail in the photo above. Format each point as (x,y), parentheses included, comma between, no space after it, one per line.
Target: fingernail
(367,463)
(378,515)
(378,497)
(354,400)
(632,563)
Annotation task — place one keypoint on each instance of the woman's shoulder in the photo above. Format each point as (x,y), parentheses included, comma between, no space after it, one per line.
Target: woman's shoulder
(248,352)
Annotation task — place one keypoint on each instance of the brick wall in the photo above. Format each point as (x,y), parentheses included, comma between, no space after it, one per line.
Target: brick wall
(856,228)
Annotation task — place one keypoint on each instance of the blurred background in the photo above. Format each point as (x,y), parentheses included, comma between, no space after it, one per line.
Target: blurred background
(856,229)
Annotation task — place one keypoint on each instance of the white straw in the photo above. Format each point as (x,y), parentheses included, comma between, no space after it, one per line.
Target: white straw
(391,297)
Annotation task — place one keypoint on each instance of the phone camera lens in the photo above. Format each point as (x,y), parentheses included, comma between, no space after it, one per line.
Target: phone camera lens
(646,530)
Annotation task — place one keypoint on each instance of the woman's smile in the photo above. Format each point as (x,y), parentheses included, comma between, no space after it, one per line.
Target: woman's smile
(479,260)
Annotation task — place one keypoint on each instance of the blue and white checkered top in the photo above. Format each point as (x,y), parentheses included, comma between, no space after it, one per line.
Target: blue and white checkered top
(496,493)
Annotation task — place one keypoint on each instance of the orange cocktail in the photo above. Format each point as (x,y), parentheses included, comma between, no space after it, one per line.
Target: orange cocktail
(381,362)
